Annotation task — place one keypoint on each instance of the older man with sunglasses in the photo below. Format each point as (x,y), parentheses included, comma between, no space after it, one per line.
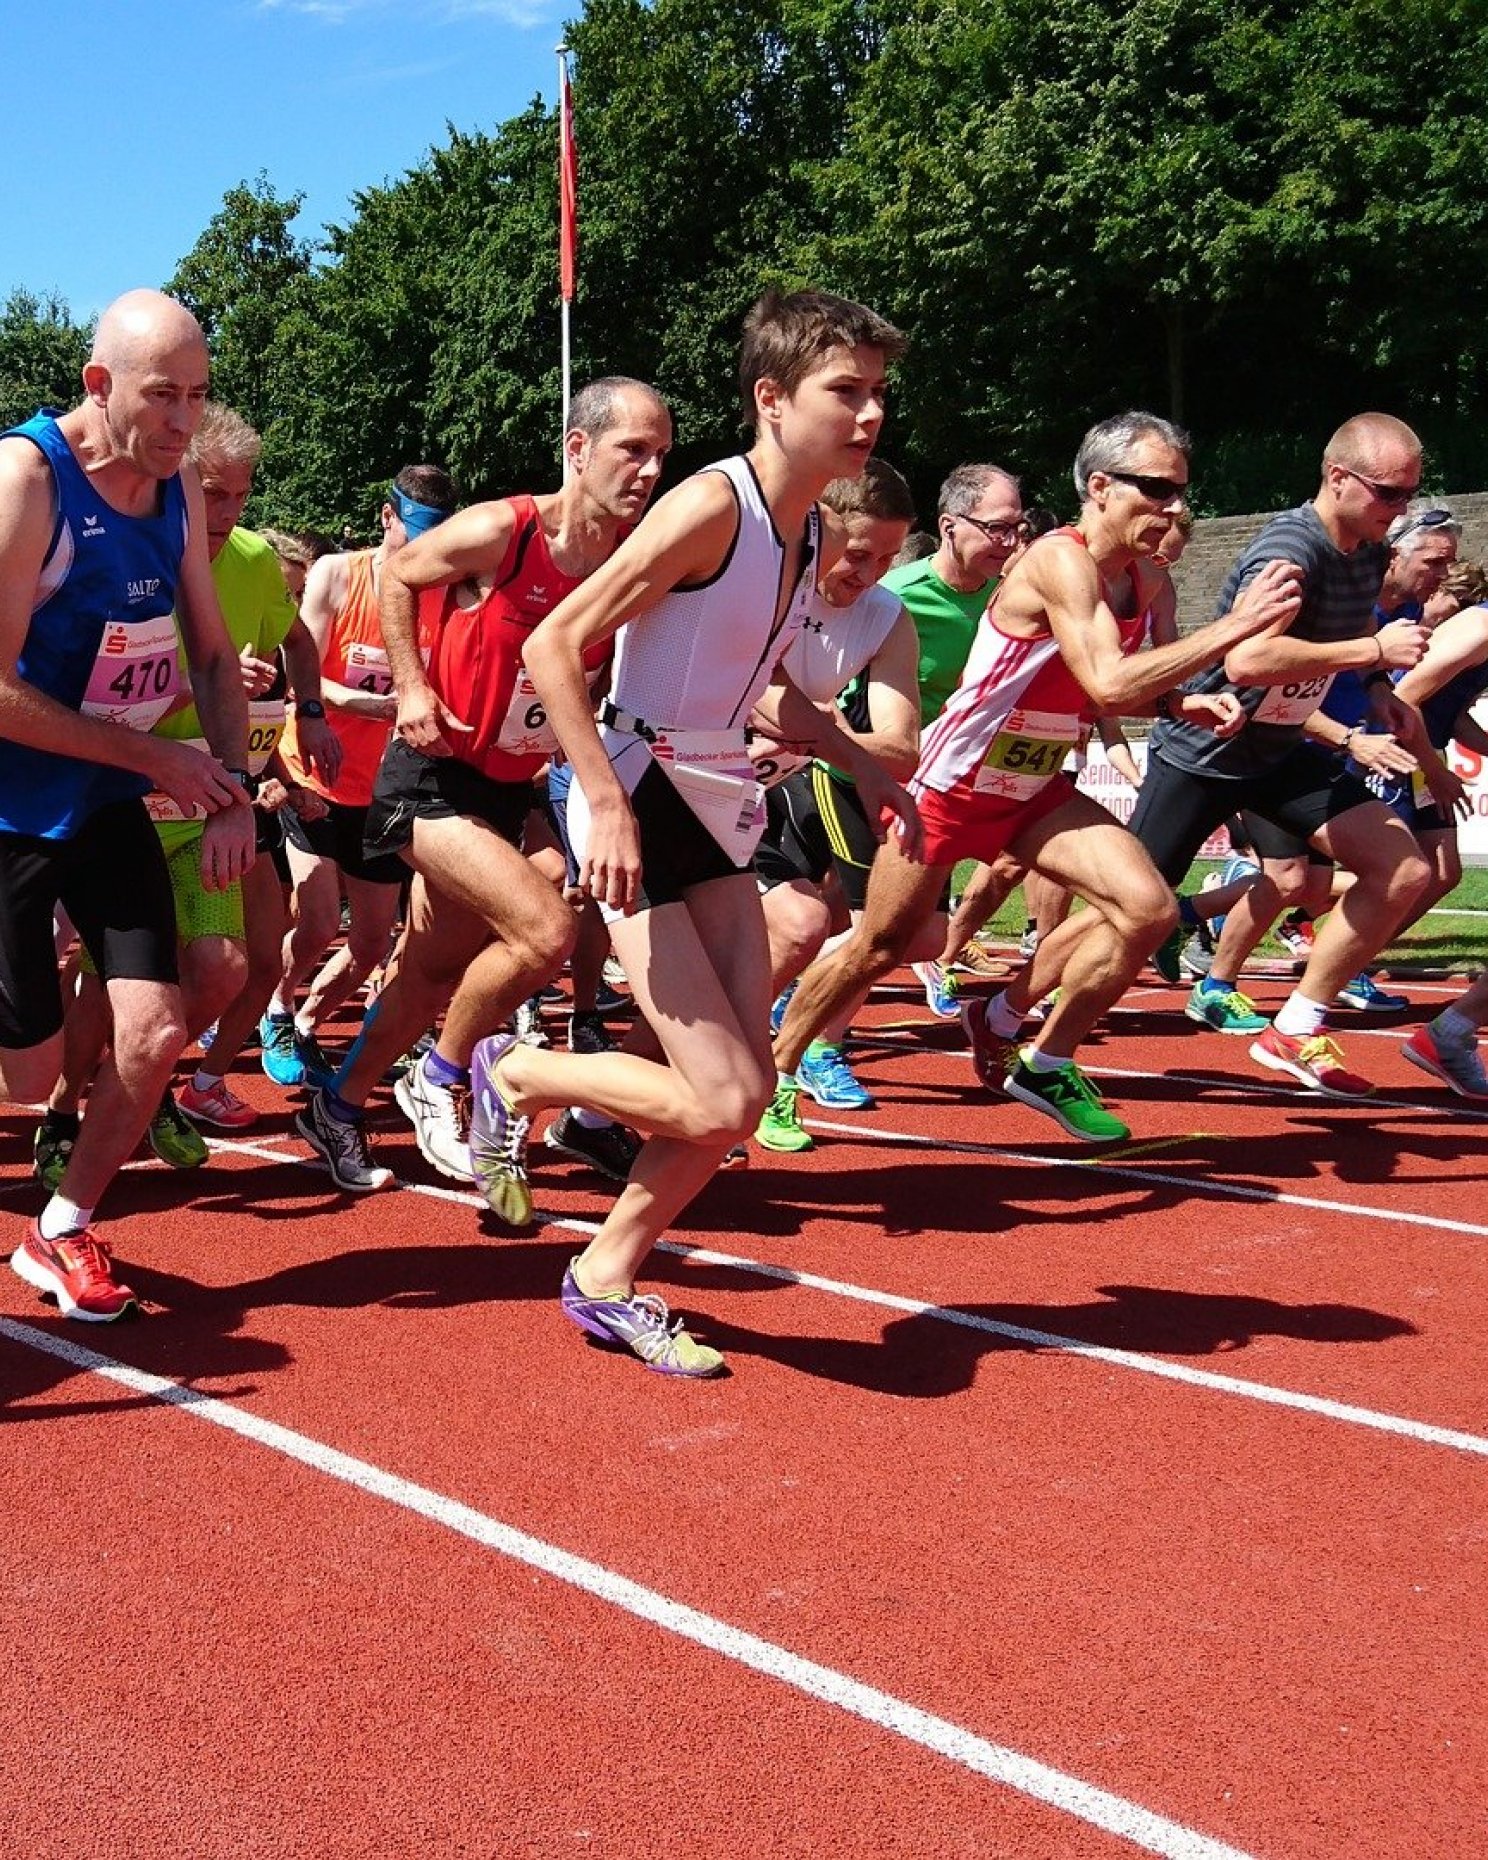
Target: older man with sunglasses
(1281,677)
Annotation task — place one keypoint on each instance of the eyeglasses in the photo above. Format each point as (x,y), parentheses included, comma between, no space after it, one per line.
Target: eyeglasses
(1423,520)
(1005,533)
(1397,496)
(1155,490)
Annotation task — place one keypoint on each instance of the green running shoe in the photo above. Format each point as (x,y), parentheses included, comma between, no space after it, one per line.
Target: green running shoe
(1226,1010)
(52,1150)
(1165,957)
(174,1138)
(1069,1098)
(781,1128)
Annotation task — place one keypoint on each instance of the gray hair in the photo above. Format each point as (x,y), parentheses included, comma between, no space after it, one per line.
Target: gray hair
(1422,517)
(224,437)
(967,485)
(596,406)
(1109,443)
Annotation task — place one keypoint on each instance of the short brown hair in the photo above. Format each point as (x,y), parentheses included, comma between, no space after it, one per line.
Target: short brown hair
(1467,583)
(878,491)
(786,335)
(428,484)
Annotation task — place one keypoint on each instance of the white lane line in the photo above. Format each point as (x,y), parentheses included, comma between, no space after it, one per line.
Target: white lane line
(1069,1794)
(1323,1406)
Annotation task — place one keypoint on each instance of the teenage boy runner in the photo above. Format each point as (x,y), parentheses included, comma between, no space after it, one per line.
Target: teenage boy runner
(665,813)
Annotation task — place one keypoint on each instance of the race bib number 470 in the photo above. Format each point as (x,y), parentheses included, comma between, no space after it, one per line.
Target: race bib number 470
(135,675)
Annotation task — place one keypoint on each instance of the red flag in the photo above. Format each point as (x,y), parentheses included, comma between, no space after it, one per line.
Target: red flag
(568,194)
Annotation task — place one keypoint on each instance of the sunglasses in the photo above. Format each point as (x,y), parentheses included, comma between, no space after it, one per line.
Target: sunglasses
(1396,496)
(1005,533)
(1155,490)
(1425,520)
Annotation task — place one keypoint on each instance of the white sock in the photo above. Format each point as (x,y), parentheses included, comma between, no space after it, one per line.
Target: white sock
(1454,1029)
(304,1026)
(1300,1018)
(1041,1062)
(279,1008)
(61,1217)
(787,1078)
(589,1120)
(1002,1018)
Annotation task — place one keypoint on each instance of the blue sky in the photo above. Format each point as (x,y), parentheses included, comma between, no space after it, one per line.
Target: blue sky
(138,115)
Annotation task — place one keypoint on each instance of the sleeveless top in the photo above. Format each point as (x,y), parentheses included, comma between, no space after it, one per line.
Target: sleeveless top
(354,655)
(475,662)
(102,638)
(1017,713)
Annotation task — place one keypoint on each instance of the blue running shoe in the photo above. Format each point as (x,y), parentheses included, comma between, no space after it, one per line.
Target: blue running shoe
(826,1075)
(942,991)
(1365,994)
(280,1056)
(779,1005)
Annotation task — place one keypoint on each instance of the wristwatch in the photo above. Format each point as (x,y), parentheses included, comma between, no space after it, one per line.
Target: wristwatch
(309,707)
(244,780)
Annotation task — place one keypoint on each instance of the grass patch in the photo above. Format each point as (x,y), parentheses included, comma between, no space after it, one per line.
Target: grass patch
(1441,940)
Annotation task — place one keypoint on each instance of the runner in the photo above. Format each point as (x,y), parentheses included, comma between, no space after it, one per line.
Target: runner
(1058,646)
(665,813)
(340,609)
(102,534)
(455,788)
(1196,778)
(1447,1047)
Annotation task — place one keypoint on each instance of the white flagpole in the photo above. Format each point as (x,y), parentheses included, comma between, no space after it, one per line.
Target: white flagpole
(565,130)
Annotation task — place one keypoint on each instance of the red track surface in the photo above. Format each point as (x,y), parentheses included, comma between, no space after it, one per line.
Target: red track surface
(1258,1625)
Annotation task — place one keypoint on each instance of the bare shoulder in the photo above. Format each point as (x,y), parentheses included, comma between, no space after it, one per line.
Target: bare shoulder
(27,501)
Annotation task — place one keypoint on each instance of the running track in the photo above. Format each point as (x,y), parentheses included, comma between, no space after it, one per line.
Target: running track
(1062,1502)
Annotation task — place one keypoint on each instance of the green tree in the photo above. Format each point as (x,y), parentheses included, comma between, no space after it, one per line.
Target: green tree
(42,352)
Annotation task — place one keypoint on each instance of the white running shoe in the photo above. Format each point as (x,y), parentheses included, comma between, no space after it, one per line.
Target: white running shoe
(440,1115)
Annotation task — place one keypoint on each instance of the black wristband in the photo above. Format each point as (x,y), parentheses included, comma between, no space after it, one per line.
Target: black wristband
(245,781)
(309,707)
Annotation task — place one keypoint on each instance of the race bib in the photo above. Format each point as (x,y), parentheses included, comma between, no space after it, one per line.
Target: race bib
(265,727)
(1027,752)
(525,730)
(771,764)
(135,677)
(367,669)
(1294,703)
(712,772)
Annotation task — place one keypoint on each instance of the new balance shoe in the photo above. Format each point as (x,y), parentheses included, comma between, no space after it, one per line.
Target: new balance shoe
(1365,994)
(76,1270)
(52,1148)
(1315,1062)
(278,1054)
(942,990)
(778,1006)
(498,1136)
(587,1033)
(991,1055)
(610,1150)
(440,1115)
(1069,1098)
(174,1140)
(1455,1064)
(781,1128)
(1226,1010)
(639,1321)
(825,1074)
(218,1105)
(342,1145)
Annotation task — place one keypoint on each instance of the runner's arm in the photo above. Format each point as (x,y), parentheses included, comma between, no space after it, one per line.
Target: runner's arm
(326,589)
(801,720)
(1455,645)
(893,733)
(319,743)
(28,715)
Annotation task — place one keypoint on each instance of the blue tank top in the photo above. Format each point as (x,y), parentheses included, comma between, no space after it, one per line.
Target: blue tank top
(102,639)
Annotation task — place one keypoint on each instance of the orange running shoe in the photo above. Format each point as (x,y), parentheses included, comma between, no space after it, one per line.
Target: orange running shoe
(1316,1063)
(77,1272)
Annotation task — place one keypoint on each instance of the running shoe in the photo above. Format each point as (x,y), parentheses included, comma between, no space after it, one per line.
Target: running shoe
(1069,1098)
(942,990)
(778,1006)
(1029,941)
(52,1148)
(614,974)
(1296,935)
(315,1062)
(175,1140)
(405,1062)
(826,1075)
(1197,958)
(527,1024)
(610,1150)
(77,1271)
(1364,993)
(639,1321)
(735,1157)
(440,1115)
(218,1105)
(976,959)
(342,1145)
(278,1053)
(1316,1063)
(498,1136)
(587,1033)
(781,1128)
(1165,956)
(1226,1010)
(609,1000)
(1455,1064)
(1237,867)
(991,1055)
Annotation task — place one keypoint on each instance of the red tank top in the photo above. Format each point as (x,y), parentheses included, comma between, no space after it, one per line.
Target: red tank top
(476,663)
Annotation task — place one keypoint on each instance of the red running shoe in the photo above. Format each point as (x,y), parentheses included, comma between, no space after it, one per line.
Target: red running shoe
(1316,1063)
(991,1055)
(76,1271)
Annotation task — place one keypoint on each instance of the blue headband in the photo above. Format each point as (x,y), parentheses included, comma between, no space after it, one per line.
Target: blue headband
(415,517)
